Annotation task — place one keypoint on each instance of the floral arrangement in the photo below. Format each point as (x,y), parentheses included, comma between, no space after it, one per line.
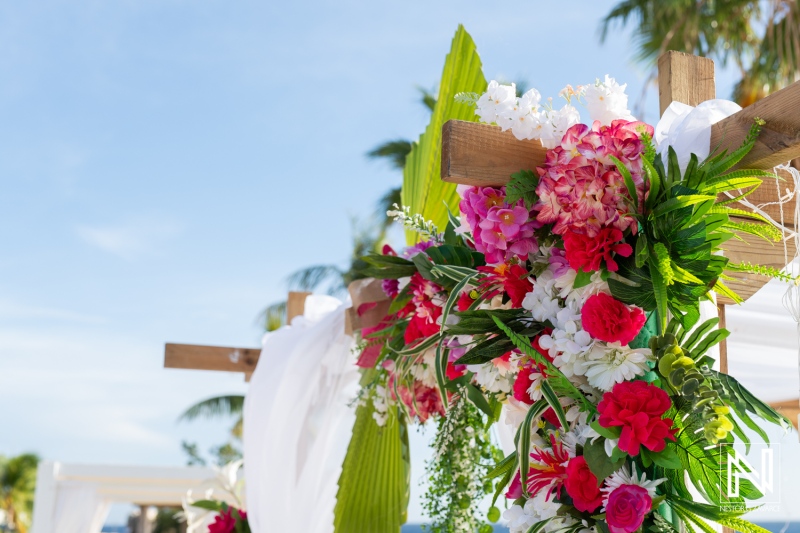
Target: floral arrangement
(228,519)
(564,310)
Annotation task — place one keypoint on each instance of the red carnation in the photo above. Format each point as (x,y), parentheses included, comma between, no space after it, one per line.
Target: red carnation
(587,253)
(582,485)
(637,407)
(607,319)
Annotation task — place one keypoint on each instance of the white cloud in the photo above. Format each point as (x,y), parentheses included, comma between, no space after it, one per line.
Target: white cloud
(131,239)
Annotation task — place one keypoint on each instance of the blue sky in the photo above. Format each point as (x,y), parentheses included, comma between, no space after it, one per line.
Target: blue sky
(164,165)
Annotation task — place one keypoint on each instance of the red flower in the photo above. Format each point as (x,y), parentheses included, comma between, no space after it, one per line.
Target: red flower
(637,407)
(607,319)
(522,384)
(586,253)
(513,278)
(464,301)
(225,522)
(627,507)
(548,472)
(582,486)
(454,371)
(523,381)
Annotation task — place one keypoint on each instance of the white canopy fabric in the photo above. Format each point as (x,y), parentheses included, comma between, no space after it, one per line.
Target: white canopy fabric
(75,498)
(297,420)
(763,345)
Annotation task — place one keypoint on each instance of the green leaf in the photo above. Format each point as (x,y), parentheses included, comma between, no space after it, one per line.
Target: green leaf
(678,202)
(208,505)
(374,482)
(423,190)
(508,463)
(477,397)
(522,187)
(539,526)
(626,175)
(552,398)
(599,462)
(641,250)
(610,433)
(459,256)
(524,441)
(582,278)
(667,458)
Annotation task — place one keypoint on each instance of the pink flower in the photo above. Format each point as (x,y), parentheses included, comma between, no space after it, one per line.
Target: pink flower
(626,508)
(589,253)
(580,188)
(421,401)
(607,319)
(500,231)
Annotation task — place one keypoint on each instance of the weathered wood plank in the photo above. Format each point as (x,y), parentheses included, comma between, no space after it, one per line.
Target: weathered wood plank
(685,78)
(779,140)
(219,358)
(484,155)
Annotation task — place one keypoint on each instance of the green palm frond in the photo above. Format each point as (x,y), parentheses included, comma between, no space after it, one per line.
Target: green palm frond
(395,151)
(428,98)
(423,190)
(216,407)
(314,277)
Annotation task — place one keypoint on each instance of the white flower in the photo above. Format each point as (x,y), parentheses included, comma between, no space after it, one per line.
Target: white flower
(559,122)
(496,100)
(522,117)
(609,364)
(491,377)
(521,518)
(579,296)
(623,476)
(578,435)
(607,101)
(424,368)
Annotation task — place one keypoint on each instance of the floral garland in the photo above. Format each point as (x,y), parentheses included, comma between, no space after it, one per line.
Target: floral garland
(564,308)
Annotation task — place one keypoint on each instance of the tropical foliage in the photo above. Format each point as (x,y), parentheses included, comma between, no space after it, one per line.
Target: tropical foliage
(17,486)
(762,39)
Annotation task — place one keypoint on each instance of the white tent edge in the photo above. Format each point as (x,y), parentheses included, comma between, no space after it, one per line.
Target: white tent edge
(140,485)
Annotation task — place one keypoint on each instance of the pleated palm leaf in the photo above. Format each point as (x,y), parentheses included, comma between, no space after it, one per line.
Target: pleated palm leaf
(229,406)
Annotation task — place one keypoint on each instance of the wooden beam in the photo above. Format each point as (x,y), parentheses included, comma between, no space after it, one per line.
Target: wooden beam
(779,141)
(295,305)
(684,78)
(483,155)
(219,358)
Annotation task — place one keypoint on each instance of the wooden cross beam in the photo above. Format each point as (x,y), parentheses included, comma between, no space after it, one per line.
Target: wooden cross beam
(225,358)
(483,155)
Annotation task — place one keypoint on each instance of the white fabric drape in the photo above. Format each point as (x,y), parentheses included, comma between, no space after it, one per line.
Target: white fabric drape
(297,421)
(79,509)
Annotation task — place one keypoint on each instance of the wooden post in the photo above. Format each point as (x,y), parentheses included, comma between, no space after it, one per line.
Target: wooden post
(295,305)
(690,79)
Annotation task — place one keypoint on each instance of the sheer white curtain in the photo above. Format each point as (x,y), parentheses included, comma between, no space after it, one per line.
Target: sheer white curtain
(79,509)
(297,421)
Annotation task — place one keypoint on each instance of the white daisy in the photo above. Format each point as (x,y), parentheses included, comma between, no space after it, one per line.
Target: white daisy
(608,364)
(623,476)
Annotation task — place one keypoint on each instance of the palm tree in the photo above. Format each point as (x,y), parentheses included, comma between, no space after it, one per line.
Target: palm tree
(762,39)
(17,485)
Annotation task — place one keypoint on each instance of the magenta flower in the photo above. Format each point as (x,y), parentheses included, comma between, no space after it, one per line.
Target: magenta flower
(500,231)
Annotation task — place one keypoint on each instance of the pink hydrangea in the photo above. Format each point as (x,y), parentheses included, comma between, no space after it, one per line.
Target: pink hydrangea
(580,189)
(501,231)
